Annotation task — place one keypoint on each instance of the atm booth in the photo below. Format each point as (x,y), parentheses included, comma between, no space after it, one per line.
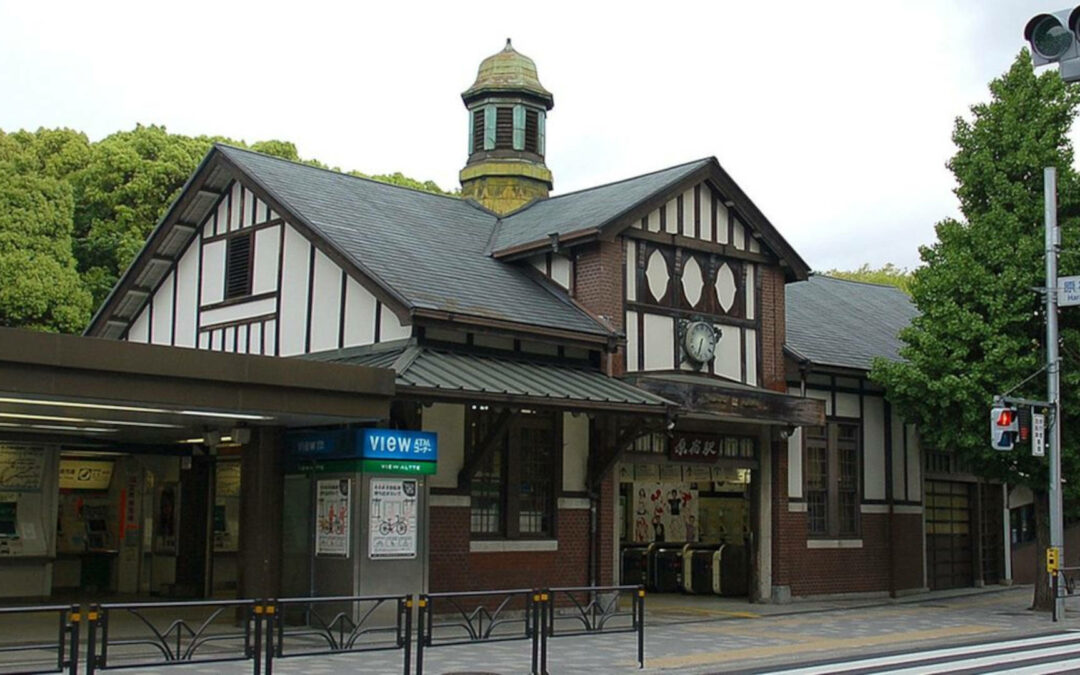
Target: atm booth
(146,470)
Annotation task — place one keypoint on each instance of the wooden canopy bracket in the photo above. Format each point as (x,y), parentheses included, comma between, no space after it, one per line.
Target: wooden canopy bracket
(487,447)
(606,455)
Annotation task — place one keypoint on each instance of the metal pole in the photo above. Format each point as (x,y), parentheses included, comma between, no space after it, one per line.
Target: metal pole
(1053,374)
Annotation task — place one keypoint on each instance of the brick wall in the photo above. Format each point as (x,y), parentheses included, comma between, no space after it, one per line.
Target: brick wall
(454,568)
(598,286)
(772,328)
(809,571)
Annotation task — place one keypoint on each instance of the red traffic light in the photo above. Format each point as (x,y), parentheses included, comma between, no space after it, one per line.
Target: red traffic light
(1006,417)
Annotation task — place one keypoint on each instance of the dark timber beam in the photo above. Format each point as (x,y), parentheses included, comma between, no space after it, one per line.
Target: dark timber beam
(487,447)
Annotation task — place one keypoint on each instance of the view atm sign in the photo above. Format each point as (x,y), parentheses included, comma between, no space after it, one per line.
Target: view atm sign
(411,446)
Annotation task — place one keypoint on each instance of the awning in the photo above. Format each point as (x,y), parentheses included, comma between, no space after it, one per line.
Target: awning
(709,398)
(441,374)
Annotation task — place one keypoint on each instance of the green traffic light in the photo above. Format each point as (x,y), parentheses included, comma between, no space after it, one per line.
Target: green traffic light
(1050,39)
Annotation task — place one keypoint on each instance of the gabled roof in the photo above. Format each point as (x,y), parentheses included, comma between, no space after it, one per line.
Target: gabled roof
(841,323)
(586,209)
(429,249)
(603,211)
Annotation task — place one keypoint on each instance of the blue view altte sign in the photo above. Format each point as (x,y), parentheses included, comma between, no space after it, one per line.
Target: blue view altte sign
(417,446)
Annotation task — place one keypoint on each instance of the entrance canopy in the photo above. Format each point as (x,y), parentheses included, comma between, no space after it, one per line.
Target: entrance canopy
(64,387)
(710,399)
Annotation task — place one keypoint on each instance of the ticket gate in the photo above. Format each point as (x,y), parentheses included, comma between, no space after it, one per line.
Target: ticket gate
(730,571)
(635,565)
(697,562)
(665,567)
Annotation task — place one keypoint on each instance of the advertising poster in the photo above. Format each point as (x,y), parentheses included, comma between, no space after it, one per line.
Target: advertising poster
(664,512)
(21,468)
(393,519)
(332,518)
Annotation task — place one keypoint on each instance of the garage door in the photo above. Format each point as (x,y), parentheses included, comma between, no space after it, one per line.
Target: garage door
(949,551)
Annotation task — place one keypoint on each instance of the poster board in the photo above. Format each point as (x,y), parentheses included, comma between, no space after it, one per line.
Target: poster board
(392,526)
(664,512)
(333,517)
(21,467)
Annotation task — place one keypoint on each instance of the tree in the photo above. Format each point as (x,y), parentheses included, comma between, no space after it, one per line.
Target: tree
(889,274)
(981,327)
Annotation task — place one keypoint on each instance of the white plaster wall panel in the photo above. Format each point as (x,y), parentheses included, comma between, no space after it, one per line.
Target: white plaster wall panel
(359,315)
(208,227)
(794,452)
(738,235)
(293,311)
(693,282)
(242,333)
(236,205)
(914,460)
(390,328)
(448,421)
(750,289)
(264,276)
(216,340)
(659,342)
(631,270)
(721,222)
(204,340)
(847,405)
(750,336)
(575,451)
(213,272)
(656,273)
(725,287)
(161,328)
(262,211)
(821,396)
(325,304)
(653,222)
(140,327)
(671,217)
(238,312)
(273,215)
(269,338)
(255,338)
(187,291)
(873,430)
(899,457)
(706,213)
(228,339)
(631,341)
(540,263)
(249,209)
(688,212)
(560,271)
(221,221)
(727,361)
(755,246)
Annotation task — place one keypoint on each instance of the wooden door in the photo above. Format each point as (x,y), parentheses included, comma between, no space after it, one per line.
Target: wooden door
(949,543)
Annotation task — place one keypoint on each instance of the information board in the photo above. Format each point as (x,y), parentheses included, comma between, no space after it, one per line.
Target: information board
(392,524)
(21,467)
(332,517)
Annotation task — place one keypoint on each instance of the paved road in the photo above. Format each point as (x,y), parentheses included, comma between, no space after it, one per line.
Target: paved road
(1058,653)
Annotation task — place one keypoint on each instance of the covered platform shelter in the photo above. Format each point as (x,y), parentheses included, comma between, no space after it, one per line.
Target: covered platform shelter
(144,469)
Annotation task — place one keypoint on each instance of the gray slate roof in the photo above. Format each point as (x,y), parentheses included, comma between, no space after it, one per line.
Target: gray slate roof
(586,209)
(835,322)
(439,370)
(429,249)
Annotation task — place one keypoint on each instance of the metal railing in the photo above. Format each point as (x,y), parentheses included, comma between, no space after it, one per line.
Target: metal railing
(61,655)
(478,616)
(307,627)
(595,609)
(149,634)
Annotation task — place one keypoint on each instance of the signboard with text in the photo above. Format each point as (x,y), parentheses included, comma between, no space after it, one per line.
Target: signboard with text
(392,530)
(1068,291)
(416,446)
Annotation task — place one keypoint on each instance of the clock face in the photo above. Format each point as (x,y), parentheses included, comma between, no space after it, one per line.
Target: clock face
(700,342)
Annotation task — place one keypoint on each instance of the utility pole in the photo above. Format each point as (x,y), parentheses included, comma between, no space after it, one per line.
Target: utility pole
(1053,374)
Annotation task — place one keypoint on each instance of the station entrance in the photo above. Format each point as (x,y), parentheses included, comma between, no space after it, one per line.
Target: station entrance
(685,513)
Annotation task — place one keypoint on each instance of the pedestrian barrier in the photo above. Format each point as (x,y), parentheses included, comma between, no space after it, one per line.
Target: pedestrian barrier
(61,655)
(149,634)
(591,610)
(478,616)
(309,627)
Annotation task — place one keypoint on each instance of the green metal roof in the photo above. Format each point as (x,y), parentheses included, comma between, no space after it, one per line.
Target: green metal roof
(444,373)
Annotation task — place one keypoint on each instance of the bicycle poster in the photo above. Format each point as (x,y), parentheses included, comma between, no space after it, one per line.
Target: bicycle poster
(333,521)
(393,519)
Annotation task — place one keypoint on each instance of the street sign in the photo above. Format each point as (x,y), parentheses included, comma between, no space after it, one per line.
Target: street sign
(1068,291)
(1038,435)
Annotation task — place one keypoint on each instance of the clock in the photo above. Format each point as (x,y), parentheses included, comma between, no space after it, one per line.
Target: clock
(699,341)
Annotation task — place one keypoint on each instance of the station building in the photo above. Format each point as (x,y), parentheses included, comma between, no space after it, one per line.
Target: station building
(647,362)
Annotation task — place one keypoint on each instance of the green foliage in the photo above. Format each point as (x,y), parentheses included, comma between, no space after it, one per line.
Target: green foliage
(889,274)
(981,327)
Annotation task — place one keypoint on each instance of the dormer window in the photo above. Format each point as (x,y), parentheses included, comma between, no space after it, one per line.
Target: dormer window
(238,266)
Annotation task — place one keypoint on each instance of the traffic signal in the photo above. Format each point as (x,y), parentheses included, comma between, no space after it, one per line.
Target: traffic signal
(1054,38)
(1004,427)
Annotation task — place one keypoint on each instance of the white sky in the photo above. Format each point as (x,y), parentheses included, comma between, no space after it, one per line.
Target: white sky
(834,117)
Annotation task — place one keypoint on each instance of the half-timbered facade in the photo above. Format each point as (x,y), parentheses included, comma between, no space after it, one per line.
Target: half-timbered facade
(605,369)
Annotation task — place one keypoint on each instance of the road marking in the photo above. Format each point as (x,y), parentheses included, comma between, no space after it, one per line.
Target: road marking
(708,658)
(914,657)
